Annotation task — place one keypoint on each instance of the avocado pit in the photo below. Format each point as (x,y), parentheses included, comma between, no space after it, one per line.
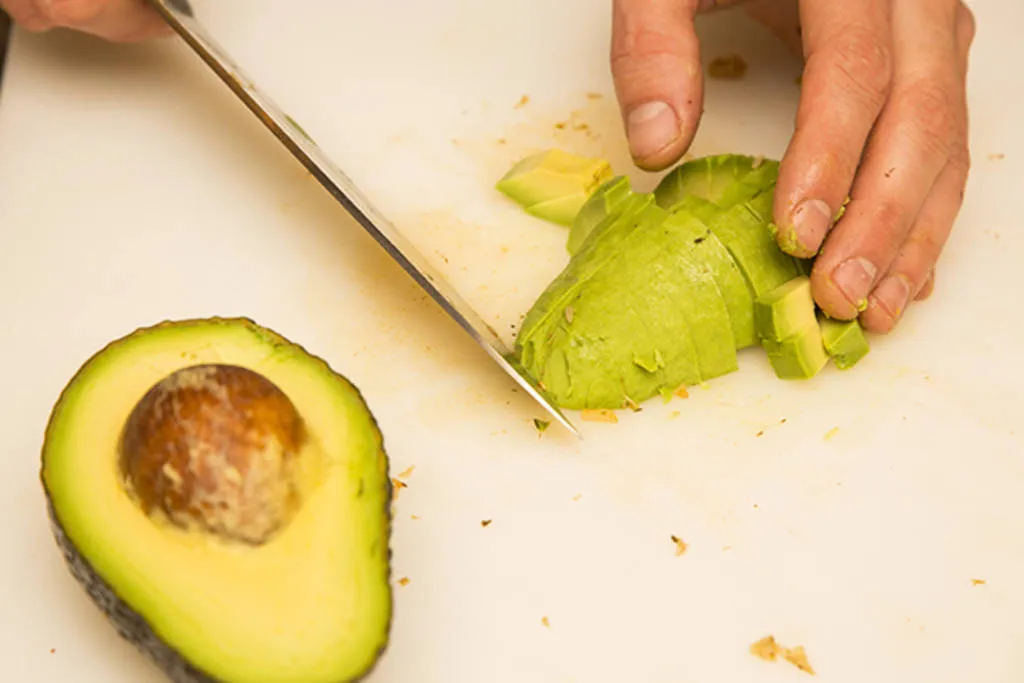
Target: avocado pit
(215,447)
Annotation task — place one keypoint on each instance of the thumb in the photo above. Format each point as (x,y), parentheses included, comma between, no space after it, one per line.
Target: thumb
(655,62)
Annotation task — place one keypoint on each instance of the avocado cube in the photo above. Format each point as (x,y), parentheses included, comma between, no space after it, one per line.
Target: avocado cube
(844,341)
(785,310)
(800,356)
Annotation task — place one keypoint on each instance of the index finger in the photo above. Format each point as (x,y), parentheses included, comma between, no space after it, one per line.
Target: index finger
(846,81)
(655,62)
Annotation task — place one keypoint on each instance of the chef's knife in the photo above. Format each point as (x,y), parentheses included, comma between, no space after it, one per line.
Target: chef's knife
(181,17)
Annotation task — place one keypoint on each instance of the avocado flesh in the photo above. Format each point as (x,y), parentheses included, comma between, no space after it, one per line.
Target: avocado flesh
(560,211)
(743,229)
(785,310)
(723,180)
(637,317)
(800,356)
(311,605)
(551,175)
(844,340)
(604,201)
(706,248)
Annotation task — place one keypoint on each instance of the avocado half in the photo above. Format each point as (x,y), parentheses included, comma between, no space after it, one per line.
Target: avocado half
(223,497)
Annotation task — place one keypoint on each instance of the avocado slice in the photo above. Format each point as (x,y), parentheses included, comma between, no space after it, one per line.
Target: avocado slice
(699,296)
(723,180)
(799,356)
(785,310)
(545,177)
(605,200)
(223,496)
(743,229)
(844,341)
(706,248)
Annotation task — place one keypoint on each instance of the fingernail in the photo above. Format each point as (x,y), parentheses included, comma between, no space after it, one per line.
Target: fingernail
(811,219)
(651,127)
(893,295)
(854,279)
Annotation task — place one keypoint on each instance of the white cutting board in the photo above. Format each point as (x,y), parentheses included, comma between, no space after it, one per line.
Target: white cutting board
(134,189)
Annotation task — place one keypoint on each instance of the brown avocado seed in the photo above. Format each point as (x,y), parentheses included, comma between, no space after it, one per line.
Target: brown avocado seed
(215,446)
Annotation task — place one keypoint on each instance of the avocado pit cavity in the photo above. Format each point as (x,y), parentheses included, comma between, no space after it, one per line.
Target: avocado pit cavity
(215,447)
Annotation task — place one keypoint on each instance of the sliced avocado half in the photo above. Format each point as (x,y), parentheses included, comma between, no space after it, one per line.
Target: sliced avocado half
(605,200)
(844,341)
(223,496)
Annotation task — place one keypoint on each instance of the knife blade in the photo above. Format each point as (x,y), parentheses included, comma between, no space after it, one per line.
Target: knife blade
(181,17)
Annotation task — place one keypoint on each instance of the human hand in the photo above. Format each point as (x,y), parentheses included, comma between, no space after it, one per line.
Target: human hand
(882,119)
(115,20)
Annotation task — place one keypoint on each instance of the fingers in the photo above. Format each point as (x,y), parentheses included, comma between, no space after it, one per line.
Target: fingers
(114,20)
(912,273)
(655,62)
(921,129)
(846,82)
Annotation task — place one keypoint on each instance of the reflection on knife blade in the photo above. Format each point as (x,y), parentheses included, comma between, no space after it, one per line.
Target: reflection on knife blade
(179,14)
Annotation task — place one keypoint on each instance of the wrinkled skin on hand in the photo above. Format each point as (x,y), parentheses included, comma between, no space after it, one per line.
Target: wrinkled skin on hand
(882,119)
(122,21)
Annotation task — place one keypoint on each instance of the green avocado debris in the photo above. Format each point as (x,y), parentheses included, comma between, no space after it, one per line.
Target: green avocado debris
(663,289)
(844,341)
(554,185)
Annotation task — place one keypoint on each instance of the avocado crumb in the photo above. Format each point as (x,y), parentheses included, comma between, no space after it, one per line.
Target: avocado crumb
(978,582)
(760,433)
(728,67)
(674,414)
(485,522)
(594,95)
(681,392)
(540,425)
(766,649)
(998,156)
(398,486)
(830,434)
(769,650)
(414,516)
(523,101)
(545,621)
(577,496)
(407,471)
(404,581)
(681,545)
(603,415)
(631,404)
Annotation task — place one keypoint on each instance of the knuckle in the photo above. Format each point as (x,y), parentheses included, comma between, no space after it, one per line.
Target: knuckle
(889,219)
(635,45)
(864,63)
(932,113)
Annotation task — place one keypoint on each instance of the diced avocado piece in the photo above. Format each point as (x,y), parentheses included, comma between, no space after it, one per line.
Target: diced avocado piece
(612,328)
(723,180)
(844,341)
(561,211)
(800,356)
(785,310)
(605,200)
(551,175)
(743,229)
(706,248)
(223,497)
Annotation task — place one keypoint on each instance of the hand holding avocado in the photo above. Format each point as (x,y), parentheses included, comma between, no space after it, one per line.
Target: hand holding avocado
(882,120)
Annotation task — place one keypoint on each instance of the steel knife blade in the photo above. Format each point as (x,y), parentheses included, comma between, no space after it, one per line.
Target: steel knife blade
(181,17)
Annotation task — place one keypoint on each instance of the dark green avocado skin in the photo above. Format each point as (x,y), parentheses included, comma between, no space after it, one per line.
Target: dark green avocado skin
(132,627)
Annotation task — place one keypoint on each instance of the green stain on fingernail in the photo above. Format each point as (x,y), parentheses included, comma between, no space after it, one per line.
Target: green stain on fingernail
(862,305)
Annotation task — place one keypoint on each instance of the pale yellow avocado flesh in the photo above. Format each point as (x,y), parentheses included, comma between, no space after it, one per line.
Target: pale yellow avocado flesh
(312,605)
